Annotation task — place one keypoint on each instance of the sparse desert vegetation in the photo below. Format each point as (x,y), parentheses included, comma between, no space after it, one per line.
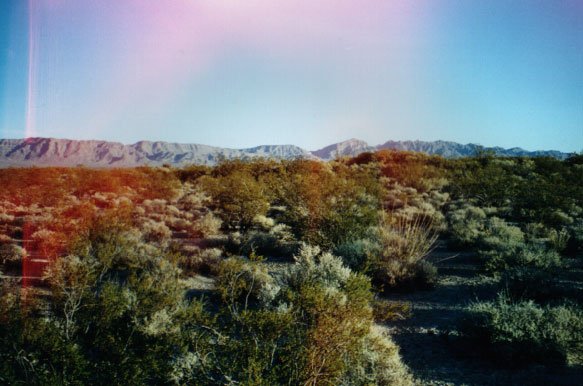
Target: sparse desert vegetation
(305,272)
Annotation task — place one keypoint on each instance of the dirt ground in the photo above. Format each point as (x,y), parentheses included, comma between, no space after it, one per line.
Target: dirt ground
(430,343)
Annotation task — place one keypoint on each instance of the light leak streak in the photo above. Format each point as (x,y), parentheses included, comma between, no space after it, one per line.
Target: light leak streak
(30,123)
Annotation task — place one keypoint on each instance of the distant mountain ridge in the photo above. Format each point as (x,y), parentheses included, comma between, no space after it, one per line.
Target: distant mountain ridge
(353,147)
(94,153)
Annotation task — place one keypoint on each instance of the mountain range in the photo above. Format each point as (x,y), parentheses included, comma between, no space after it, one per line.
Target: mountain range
(93,153)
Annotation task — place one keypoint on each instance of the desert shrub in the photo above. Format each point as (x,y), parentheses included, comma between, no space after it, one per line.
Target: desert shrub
(424,213)
(558,239)
(209,225)
(285,238)
(502,245)
(499,235)
(335,304)
(273,244)
(113,300)
(416,170)
(412,205)
(237,198)
(439,198)
(156,232)
(466,225)
(191,172)
(328,204)
(177,224)
(378,363)
(32,350)
(313,327)
(316,267)
(400,263)
(243,284)
(203,261)
(264,223)
(193,197)
(520,255)
(11,256)
(524,332)
(6,218)
(535,232)
(559,218)
(356,254)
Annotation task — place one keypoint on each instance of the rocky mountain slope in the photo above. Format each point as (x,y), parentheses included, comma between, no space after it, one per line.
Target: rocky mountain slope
(65,152)
(348,148)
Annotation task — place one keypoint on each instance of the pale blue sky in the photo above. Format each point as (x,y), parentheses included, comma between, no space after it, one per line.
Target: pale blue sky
(239,74)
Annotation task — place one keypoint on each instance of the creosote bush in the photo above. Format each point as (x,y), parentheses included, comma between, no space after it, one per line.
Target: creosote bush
(521,255)
(357,254)
(520,332)
(311,325)
(466,225)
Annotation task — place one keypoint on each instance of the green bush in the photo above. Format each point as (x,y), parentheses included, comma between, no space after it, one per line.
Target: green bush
(520,332)
(499,235)
(356,254)
(534,256)
(315,328)
(334,303)
(242,284)
(466,225)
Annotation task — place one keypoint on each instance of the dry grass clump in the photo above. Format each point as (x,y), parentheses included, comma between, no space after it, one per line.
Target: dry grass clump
(388,310)
(404,246)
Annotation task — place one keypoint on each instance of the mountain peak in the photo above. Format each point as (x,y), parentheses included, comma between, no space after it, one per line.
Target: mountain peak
(350,148)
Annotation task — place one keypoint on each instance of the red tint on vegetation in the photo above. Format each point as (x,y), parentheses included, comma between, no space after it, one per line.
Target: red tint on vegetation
(57,204)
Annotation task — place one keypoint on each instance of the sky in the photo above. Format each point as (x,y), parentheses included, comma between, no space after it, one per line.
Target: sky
(235,73)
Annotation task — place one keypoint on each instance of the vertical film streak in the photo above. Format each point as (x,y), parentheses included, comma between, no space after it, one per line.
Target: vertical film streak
(31,79)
